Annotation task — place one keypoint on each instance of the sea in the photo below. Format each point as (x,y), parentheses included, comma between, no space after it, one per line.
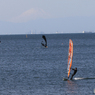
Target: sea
(28,68)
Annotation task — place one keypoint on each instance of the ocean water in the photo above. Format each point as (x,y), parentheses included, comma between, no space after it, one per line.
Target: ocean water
(27,68)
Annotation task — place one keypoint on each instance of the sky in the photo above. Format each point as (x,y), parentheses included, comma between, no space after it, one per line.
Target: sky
(46,16)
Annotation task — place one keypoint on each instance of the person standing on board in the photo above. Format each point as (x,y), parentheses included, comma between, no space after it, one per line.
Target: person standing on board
(75,70)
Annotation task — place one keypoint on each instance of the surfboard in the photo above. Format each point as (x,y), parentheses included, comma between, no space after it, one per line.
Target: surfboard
(65,79)
(70,58)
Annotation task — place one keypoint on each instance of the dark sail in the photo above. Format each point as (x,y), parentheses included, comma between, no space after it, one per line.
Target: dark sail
(45,41)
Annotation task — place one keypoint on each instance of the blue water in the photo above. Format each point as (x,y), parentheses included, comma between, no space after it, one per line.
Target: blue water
(27,68)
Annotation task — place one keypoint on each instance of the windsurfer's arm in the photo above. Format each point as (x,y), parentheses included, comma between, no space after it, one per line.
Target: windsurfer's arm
(72,69)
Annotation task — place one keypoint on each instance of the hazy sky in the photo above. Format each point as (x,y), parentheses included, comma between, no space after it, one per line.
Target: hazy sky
(22,11)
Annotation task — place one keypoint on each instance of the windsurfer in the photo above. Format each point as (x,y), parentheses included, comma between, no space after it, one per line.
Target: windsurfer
(45,45)
(75,70)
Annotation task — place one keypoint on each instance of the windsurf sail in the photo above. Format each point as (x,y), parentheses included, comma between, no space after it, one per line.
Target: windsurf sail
(45,41)
(70,57)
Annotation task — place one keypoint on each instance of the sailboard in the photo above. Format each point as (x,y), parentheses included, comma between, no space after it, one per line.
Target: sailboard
(70,58)
(44,44)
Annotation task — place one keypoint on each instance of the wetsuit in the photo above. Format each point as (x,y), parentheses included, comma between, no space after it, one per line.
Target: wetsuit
(75,70)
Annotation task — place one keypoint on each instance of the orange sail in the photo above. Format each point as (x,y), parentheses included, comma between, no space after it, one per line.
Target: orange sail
(70,57)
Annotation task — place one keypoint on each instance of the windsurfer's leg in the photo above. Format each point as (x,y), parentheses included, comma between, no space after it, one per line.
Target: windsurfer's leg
(72,76)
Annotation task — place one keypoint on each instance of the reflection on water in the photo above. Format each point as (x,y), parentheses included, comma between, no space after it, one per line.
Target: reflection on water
(71,87)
